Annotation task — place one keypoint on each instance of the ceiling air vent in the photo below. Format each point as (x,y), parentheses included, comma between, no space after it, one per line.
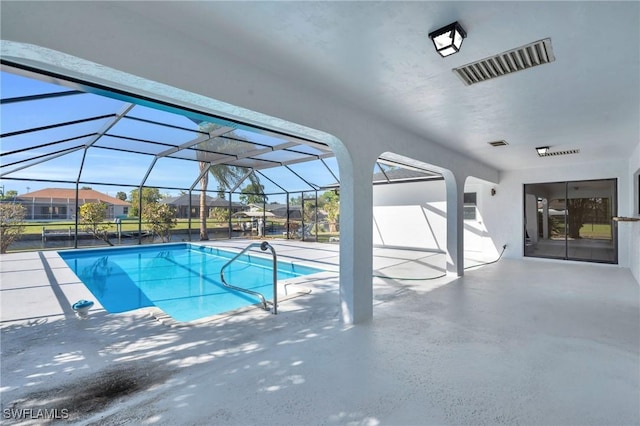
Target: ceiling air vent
(522,58)
(498,143)
(556,153)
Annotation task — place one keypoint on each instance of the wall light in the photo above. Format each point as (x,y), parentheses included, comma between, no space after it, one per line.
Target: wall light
(542,151)
(447,40)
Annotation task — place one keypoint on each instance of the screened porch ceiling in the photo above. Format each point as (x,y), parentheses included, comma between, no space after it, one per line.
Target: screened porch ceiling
(53,132)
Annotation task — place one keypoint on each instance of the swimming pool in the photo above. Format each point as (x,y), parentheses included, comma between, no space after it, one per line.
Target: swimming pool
(181,279)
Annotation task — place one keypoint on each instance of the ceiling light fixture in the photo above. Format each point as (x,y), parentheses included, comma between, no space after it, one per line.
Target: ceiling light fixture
(542,150)
(447,40)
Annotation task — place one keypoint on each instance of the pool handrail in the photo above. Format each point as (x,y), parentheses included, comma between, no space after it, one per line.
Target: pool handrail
(263,246)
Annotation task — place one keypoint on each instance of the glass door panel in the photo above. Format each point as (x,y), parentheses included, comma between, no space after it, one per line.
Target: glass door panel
(545,210)
(590,230)
(571,220)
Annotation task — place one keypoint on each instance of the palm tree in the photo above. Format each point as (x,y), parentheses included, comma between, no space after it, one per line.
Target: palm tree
(226,175)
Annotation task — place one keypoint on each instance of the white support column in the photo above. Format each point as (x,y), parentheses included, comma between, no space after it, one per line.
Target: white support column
(455,223)
(356,239)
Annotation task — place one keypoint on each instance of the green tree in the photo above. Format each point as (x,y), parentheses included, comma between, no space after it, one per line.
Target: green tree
(221,193)
(219,214)
(149,196)
(330,202)
(581,209)
(9,195)
(253,194)
(295,201)
(93,216)
(160,219)
(86,187)
(121,196)
(11,224)
(226,175)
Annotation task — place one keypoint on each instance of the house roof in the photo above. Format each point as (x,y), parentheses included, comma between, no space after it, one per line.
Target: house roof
(278,206)
(69,193)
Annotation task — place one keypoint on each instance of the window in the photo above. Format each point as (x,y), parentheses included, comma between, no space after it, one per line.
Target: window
(469,208)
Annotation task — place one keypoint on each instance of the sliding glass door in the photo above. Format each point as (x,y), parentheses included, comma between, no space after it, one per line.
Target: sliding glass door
(571,220)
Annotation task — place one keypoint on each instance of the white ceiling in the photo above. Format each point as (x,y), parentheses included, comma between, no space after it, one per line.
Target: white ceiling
(377,56)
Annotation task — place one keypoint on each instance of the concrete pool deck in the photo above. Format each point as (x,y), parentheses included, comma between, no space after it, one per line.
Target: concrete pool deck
(515,342)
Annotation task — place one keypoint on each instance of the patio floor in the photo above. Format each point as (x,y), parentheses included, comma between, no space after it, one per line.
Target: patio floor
(515,342)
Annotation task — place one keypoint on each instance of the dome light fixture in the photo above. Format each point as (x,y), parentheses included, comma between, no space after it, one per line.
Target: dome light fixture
(447,40)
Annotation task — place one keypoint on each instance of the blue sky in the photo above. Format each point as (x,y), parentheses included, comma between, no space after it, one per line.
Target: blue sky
(104,165)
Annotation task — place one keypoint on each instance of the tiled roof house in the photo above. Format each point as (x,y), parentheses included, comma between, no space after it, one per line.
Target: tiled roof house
(60,204)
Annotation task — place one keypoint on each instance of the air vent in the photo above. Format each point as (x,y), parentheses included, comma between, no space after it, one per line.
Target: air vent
(556,153)
(498,143)
(522,58)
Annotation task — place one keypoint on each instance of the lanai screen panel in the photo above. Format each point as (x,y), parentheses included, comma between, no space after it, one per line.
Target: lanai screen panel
(285,179)
(64,168)
(57,133)
(164,136)
(173,173)
(114,167)
(316,172)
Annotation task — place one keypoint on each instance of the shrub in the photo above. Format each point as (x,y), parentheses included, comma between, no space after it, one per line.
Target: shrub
(160,218)
(11,224)
(93,215)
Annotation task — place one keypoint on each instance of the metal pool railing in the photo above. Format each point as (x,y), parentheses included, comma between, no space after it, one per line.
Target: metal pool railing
(263,246)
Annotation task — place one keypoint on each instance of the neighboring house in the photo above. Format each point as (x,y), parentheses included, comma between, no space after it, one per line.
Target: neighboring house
(60,203)
(181,204)
(280,210)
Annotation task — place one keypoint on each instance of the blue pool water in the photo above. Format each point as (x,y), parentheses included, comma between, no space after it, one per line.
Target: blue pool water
(181,279)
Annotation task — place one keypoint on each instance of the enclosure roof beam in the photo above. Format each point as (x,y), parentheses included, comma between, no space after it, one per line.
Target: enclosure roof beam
(246,175)
(383,172)
(298,141)
(54,126)
(109,124)
(43,145)
(271,180)
(299,160)
(200,176)
(40,96)
(255,152)
(330,171)
(146,175)
(314,187)
(394,163)
(49,156)
(214,134)
(170,126)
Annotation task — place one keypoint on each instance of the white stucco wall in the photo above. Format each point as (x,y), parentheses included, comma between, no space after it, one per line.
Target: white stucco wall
(411,215)
(478,237)
(414,215)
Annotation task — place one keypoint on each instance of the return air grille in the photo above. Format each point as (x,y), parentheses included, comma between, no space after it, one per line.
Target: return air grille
(522,58)
(498,143)
(556,153)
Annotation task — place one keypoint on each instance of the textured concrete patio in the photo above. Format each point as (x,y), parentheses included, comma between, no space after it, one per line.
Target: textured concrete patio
(515,342)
